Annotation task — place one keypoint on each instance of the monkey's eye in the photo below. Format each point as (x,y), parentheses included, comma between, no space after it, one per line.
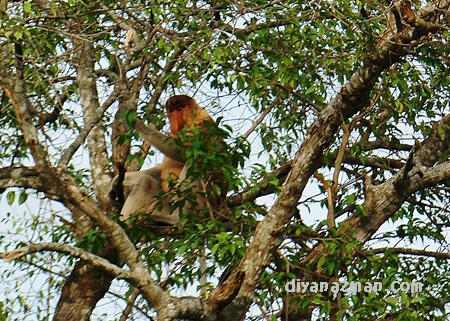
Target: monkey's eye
(174,107)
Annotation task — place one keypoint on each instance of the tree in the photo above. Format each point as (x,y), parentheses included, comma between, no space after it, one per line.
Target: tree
(349,104)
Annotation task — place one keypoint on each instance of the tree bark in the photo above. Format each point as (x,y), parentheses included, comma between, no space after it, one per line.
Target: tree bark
(84,287)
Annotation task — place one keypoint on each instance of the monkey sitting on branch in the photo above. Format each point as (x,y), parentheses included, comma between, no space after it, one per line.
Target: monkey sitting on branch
(146,191)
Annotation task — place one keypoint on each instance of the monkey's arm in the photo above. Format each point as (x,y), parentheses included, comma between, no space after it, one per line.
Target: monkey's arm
(165,144)
(132,177)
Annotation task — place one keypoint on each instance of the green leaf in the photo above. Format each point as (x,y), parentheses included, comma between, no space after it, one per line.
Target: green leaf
(18,34)
(310,90)
(27,7)
(182,249)
(23,198)
(10,197)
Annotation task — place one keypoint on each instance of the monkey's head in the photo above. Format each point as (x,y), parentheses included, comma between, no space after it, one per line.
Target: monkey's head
(180,111)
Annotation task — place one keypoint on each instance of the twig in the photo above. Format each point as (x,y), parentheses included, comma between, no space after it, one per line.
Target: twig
(70,151)
(131,300)
(258,120)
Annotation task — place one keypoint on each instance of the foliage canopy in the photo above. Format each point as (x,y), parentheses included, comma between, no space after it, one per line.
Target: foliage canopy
(336,120)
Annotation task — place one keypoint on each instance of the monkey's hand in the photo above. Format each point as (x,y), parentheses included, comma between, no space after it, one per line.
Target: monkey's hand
(165,144)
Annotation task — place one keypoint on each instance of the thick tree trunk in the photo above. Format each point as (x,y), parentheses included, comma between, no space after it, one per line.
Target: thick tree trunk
(84,287)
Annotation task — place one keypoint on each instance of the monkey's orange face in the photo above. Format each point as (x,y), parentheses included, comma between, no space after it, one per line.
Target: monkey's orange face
(179,111)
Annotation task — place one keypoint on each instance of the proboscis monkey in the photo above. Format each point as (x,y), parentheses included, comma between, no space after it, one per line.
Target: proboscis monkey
(183,113)
(141,187)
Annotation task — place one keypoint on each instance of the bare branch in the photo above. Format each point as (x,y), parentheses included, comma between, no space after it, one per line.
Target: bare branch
(70,151)
(261,188)
(45,118)
(70,250)
(14,87)
(130,304)
(258,120)
(383,250)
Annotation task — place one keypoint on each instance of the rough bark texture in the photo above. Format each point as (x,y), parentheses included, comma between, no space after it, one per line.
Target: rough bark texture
(86,284)
(352,98)
(89,282)
(84,287)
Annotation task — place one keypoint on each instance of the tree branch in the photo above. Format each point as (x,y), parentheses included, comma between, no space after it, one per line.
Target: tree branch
(71,150)
(26,177)
(383,250)
(45,118)
(15,89)
(351,98)
(70,250)
(185,307)
(384,200)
